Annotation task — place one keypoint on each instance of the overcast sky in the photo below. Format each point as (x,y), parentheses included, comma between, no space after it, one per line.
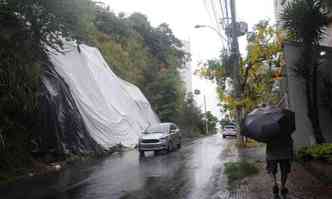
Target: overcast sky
(183,15)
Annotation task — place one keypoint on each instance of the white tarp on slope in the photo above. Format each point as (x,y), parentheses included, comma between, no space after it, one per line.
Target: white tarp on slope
(114,111)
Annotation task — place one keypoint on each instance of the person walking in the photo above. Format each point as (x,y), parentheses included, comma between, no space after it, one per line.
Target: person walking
(279,153)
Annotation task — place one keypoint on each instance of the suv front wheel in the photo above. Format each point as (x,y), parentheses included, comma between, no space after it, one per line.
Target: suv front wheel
(170,147)
(179,145)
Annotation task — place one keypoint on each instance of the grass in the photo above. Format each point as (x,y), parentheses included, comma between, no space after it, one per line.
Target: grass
(248,144)
(236,171)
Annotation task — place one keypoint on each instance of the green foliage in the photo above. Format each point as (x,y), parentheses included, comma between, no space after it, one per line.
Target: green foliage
(212,122)
(316,152)
(191,118)
(42,22)
(27,27)
(257,70)
(144,55)
(147,56)
(305,19)
(264,57)
(236,171)
(167,92)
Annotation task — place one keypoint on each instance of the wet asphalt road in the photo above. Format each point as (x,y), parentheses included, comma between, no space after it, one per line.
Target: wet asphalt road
(193,172)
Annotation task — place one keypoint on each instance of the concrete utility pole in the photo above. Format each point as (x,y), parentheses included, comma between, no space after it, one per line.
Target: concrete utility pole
(206,117)
(235,54)
(198,92)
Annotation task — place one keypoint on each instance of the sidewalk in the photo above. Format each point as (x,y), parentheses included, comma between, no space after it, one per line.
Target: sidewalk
(301,184)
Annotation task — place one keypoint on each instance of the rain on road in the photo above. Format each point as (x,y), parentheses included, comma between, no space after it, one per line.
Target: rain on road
(193,172)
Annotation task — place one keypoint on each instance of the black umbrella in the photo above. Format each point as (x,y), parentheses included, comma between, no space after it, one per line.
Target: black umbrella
(264,124)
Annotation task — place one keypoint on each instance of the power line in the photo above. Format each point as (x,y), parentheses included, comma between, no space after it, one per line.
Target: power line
(226,9)
(222,9)
(223,22)
(216,11)
(215,14)
(207,9)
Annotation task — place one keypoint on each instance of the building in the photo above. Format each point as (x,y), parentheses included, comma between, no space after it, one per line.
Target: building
(296,90)
(186,71)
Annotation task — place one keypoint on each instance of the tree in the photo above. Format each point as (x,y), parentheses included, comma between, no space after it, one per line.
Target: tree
(257,70)
(263,61)
(147,56)
(305,21)
(212,122)
(28,30)
(191,118)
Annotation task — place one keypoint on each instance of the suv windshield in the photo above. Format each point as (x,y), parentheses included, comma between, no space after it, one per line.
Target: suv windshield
(229,127)
(157,129)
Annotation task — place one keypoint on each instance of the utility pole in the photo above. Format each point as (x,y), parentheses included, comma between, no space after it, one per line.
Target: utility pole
(235,54)
(198,92)
(206,118)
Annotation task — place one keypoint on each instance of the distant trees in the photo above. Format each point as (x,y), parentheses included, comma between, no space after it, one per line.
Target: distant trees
(147,56)
(212,122)
(27,27)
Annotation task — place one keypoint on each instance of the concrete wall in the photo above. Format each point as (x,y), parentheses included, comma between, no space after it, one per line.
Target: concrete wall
(325,93)
(297,96)
(295,87)
(187,72)
(297,99)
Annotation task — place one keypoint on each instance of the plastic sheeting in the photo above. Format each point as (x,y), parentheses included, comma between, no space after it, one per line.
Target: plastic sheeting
(114,111)
(62,128)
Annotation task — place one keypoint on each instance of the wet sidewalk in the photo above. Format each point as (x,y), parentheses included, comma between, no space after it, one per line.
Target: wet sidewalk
(301,184)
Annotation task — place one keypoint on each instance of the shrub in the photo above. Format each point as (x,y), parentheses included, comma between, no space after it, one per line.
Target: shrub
(316,152)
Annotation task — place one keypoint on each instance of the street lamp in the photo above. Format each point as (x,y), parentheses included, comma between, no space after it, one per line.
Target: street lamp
(214,29)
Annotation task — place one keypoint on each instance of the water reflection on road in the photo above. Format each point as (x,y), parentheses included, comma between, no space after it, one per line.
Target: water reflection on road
(193,172)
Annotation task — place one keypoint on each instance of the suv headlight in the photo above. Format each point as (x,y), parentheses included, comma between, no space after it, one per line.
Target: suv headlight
(163,139)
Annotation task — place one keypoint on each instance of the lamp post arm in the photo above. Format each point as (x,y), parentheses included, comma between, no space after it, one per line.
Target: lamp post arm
(214,29)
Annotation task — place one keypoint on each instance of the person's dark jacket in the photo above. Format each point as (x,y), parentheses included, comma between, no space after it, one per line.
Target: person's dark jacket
(280,148)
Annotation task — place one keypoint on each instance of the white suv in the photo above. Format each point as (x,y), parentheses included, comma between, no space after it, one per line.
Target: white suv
(164,136)
(229,130)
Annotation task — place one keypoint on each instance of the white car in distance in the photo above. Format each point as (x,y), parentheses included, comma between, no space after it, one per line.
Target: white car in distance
(229,131)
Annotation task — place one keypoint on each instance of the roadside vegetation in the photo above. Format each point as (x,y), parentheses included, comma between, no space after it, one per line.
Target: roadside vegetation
(249,143)
(317,159)
(149,57)
(236,171)
(260,71)
(321,152)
